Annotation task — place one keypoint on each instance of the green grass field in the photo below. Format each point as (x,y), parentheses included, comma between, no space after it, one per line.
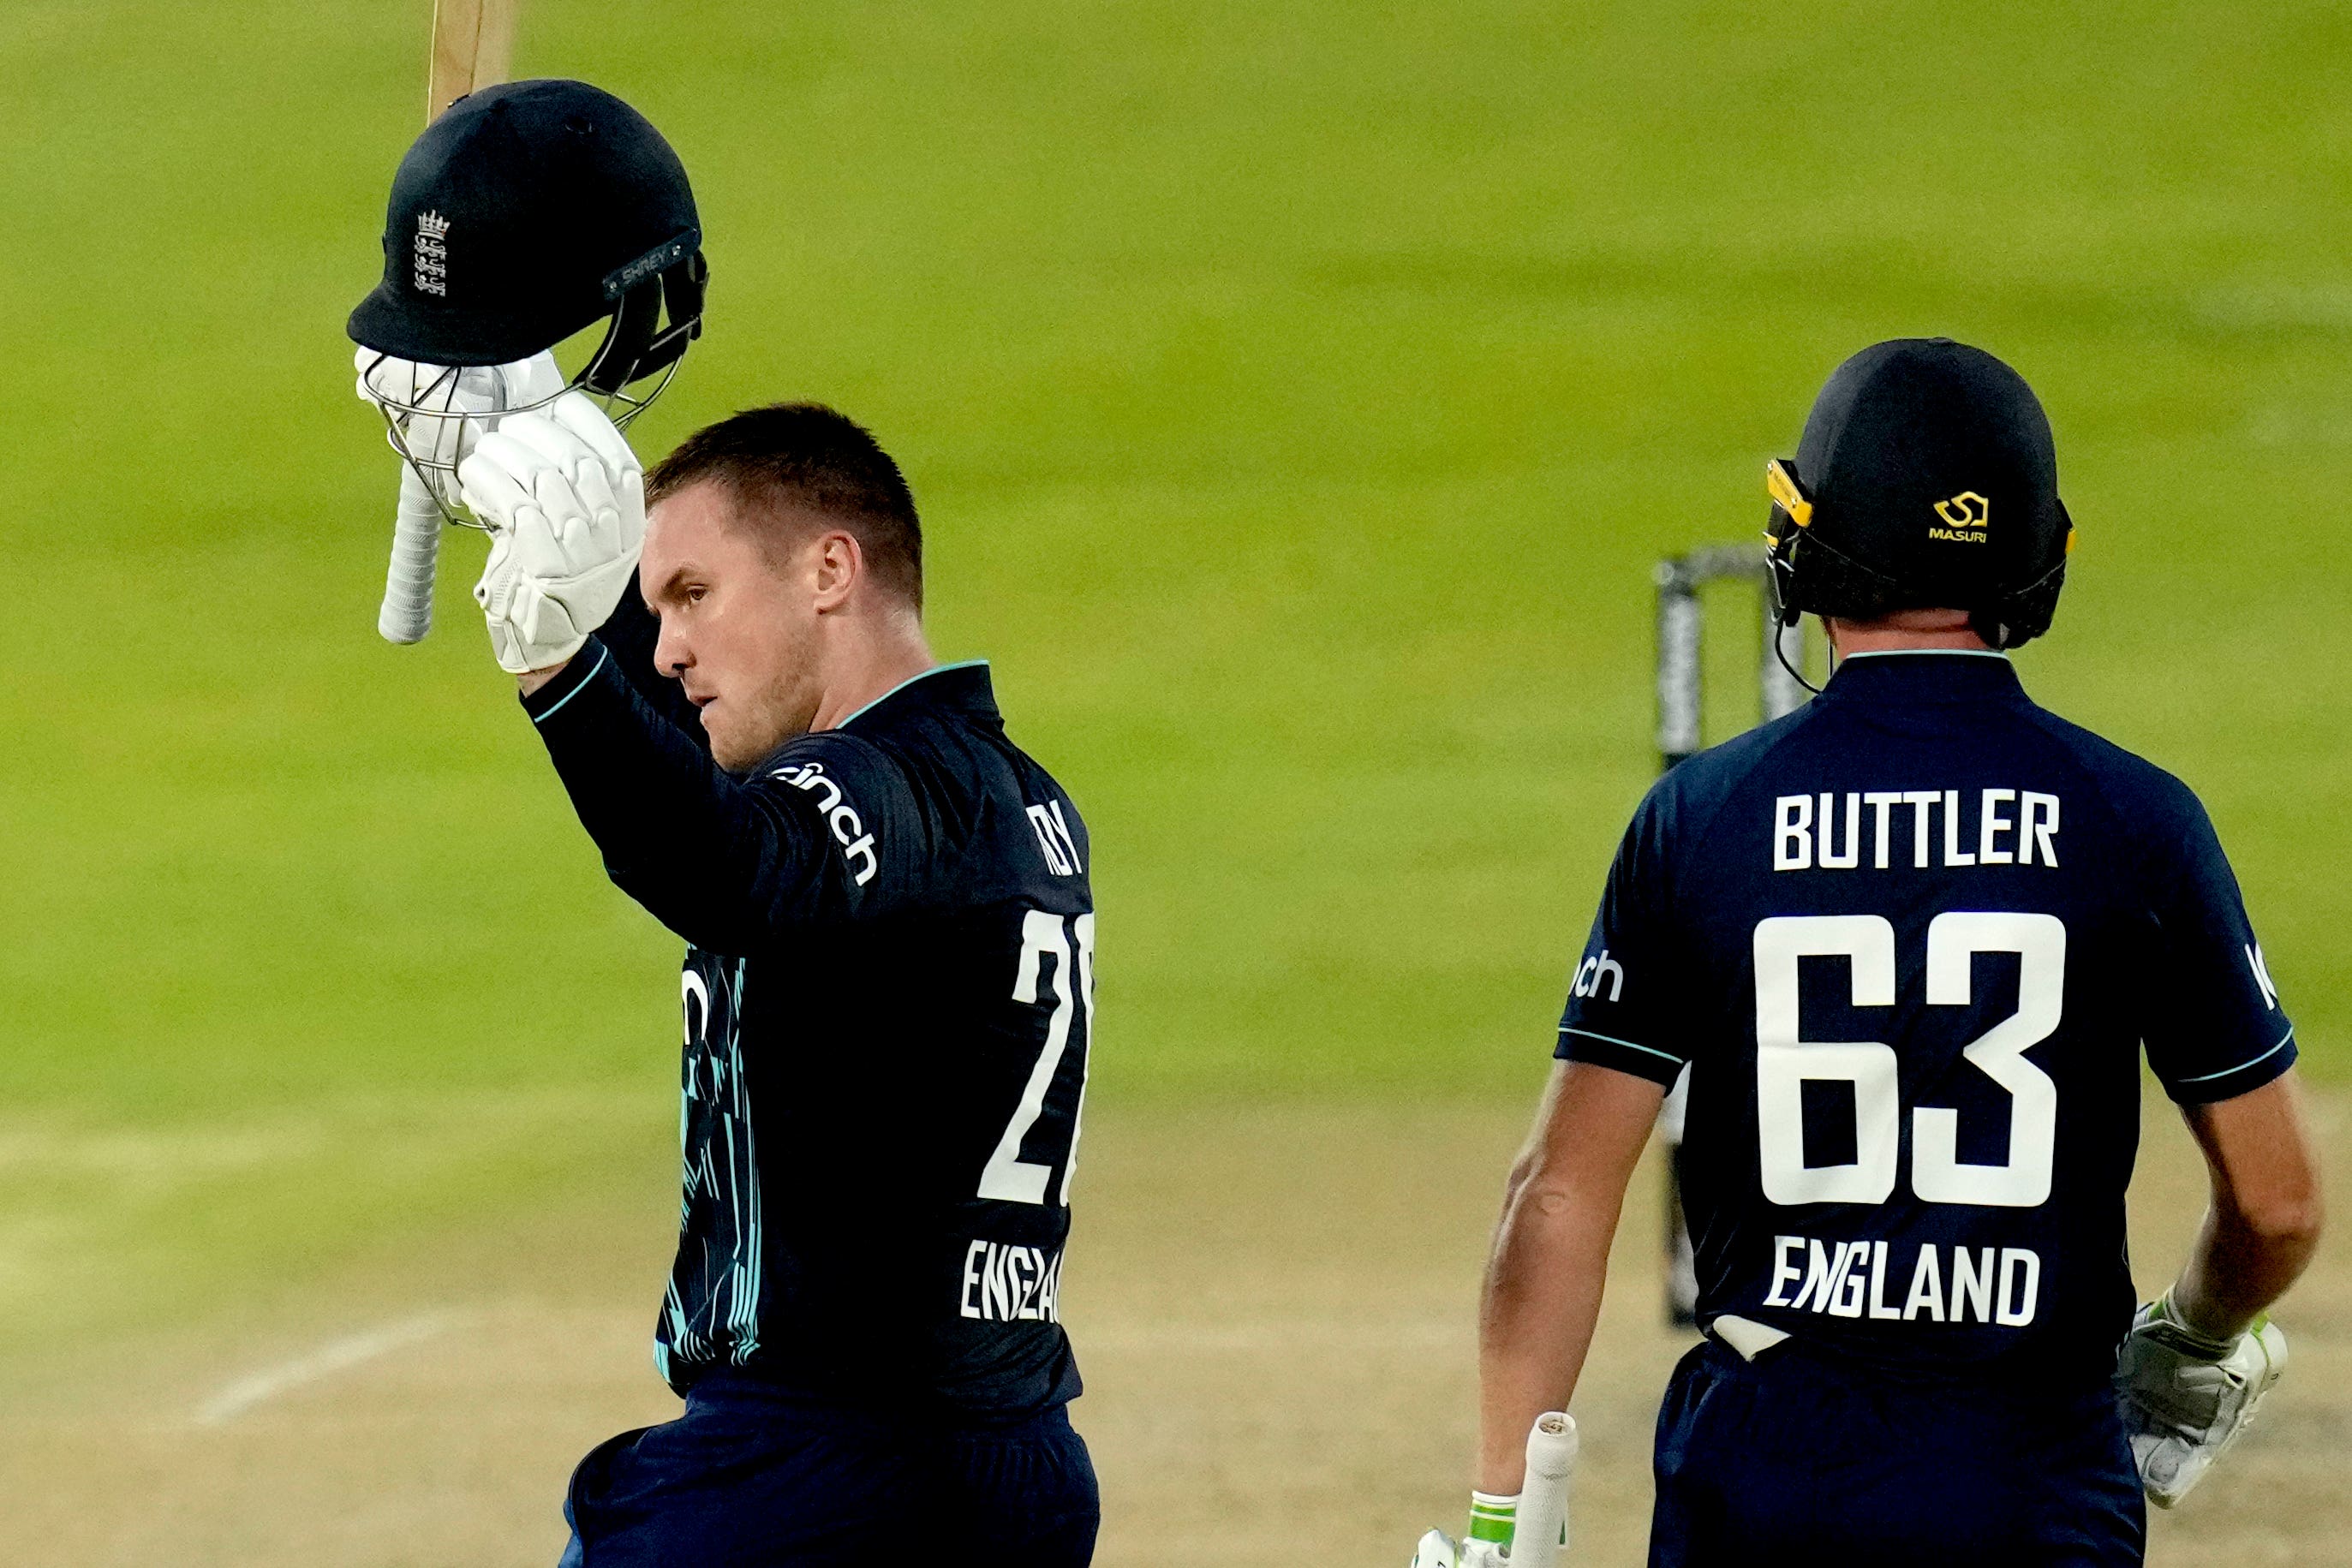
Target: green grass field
(1297,395)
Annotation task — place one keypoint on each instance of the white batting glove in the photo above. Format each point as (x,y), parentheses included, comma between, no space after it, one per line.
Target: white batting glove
(1488,1544)
(1439,1549)
(567,501)
(474,391)
(2185,1396)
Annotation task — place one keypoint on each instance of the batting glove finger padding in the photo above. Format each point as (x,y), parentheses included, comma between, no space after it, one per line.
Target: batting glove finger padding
(567,500)
(2186,1397)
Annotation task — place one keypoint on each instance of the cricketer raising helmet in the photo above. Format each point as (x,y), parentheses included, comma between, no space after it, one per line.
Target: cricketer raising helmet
(526,213)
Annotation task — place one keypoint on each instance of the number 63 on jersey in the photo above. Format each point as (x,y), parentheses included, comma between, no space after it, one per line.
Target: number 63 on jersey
(1785,1061)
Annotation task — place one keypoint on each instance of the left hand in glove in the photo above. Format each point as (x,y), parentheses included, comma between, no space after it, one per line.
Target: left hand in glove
(567,501)
(2187,1396)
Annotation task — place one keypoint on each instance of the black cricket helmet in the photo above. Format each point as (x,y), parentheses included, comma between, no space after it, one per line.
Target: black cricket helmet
(527,213)
(1926,478)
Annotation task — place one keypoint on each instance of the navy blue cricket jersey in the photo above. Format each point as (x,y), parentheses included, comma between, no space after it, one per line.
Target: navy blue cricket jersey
(889,1000)
(1910,940)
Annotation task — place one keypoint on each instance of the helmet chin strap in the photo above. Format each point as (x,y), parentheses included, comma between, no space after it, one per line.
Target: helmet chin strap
(1783,616)
(1780,651)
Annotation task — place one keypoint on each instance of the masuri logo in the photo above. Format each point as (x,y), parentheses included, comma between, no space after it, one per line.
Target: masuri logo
(1965,516)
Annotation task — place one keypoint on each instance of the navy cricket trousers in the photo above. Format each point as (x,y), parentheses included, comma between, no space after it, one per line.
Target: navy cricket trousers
(753,1476)
(1801,1456)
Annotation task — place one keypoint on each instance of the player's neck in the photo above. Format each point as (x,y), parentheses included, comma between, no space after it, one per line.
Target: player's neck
(1905,630)
(877,656)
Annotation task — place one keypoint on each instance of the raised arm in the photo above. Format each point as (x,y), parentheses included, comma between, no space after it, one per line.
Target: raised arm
(630,632)
(715,860)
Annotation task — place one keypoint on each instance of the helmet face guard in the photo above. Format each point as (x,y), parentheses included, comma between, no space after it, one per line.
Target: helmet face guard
(636,344)
(436,414)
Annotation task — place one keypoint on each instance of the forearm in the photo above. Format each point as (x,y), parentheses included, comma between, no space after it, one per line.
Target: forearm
(1537,1314)
(2236,1269)
(2263,1223)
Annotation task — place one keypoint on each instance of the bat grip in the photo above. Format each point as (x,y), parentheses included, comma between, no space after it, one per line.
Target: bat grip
(1543,1496)
(407,612)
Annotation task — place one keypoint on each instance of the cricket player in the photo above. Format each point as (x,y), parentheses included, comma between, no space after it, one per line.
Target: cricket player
(1911,941)
(889,992)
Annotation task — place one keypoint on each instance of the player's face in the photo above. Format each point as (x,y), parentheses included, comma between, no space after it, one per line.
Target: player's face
(739,624)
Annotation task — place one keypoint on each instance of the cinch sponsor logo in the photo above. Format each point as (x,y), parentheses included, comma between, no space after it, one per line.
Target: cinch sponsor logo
(2262,977)
(1004,1283)
(849,829)
(1592,971)
(2013,827)
(1852,1280)
(1054,837)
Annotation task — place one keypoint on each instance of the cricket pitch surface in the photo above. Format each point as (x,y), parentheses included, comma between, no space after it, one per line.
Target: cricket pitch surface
(1271,1307)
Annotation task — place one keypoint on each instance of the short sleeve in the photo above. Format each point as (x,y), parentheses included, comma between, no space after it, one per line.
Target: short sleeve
(2213,1027)
(1621,1011)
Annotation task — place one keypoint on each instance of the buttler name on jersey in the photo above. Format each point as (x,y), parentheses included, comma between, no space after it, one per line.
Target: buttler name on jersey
(1906,827)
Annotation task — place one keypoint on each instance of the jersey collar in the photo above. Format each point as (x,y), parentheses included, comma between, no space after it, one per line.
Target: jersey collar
(1927,674)
(964,685)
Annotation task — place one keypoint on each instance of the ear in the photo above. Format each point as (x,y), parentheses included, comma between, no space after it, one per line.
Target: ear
(840,567)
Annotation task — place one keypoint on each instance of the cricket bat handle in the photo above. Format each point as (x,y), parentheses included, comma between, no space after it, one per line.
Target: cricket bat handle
(407,612)
(1542,1521)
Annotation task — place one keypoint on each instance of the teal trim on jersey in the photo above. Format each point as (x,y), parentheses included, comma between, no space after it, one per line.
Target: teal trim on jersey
(746,1323)
(1927,652)
(910,680)
(602,654)
(1612,1039)
(2209,1077)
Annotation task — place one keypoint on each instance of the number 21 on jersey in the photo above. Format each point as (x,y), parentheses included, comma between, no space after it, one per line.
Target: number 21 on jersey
(1785,1061)
(1008,1177)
